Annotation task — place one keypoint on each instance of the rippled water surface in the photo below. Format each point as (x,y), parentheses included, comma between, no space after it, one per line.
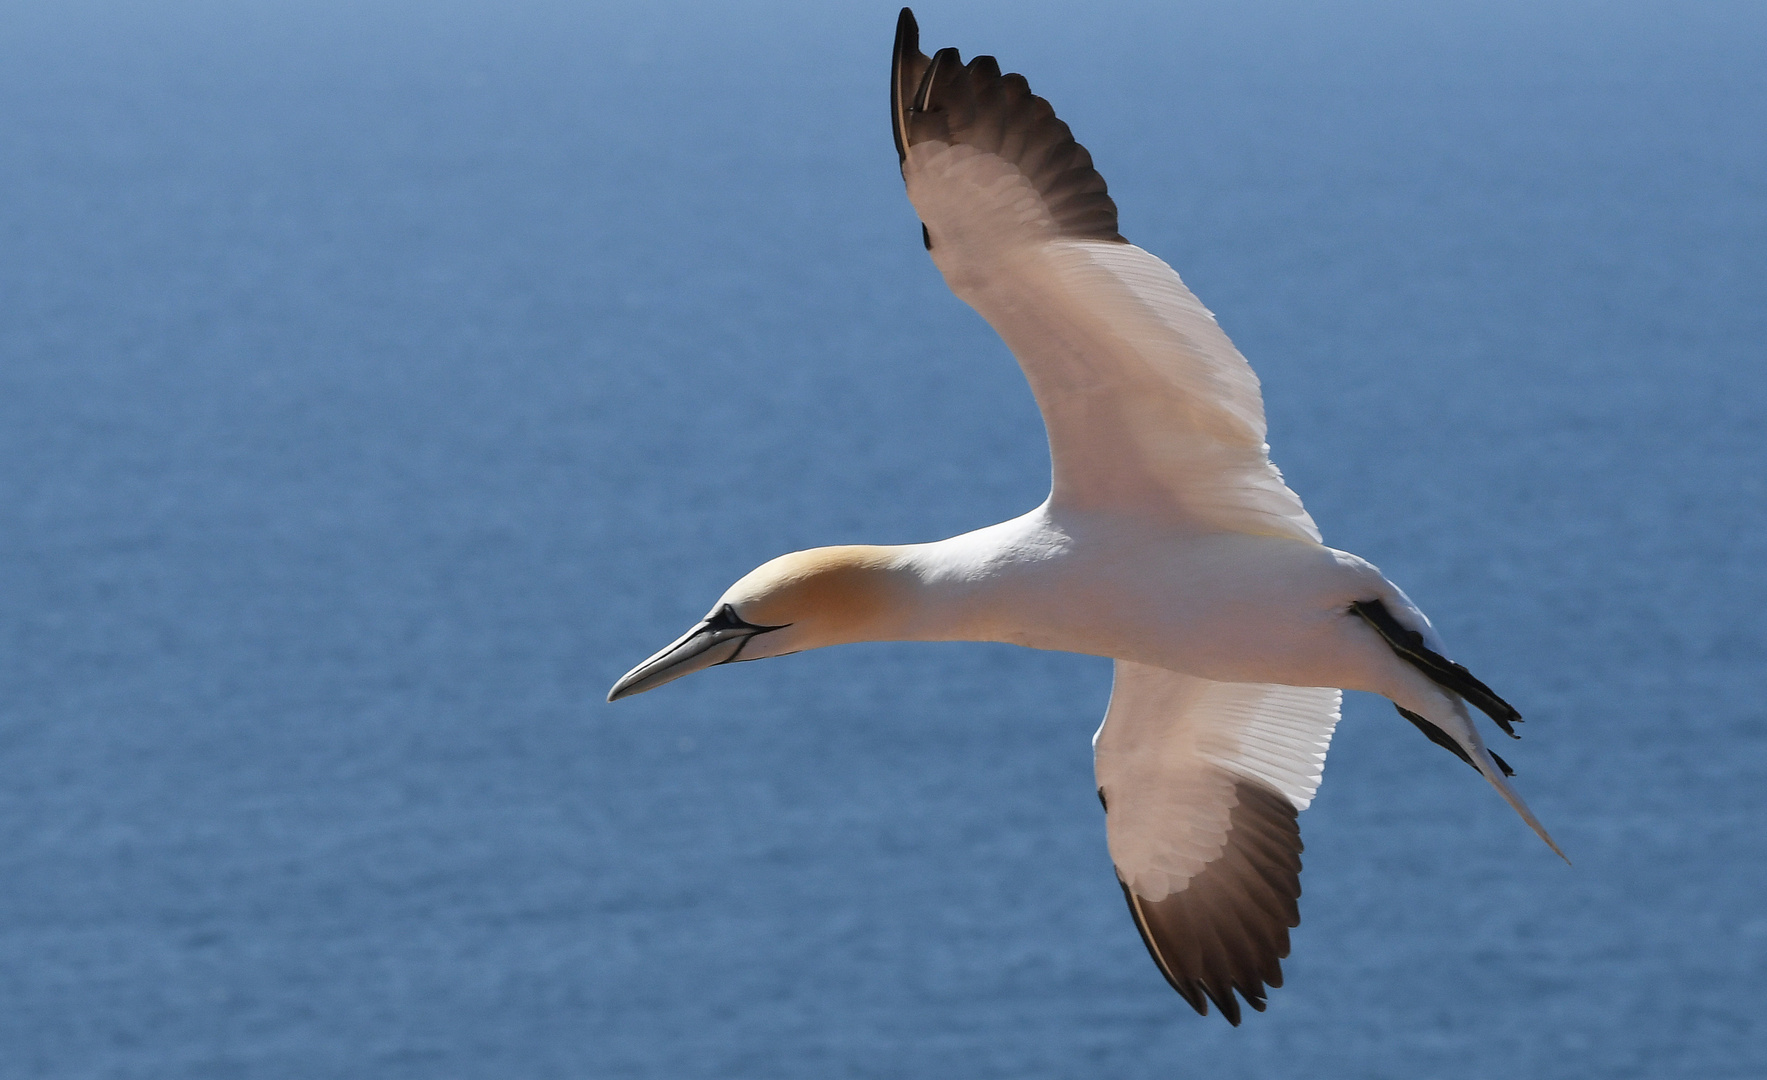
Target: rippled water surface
(378,382)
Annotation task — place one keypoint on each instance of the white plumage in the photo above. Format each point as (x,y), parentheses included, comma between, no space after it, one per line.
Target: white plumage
(1170,750)
(1168,542)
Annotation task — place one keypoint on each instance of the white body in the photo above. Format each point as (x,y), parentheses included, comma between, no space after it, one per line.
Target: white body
(1168,542)
(1223,606)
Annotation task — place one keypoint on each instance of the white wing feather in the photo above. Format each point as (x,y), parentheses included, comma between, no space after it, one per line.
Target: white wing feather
(1150,409)
(1171,750)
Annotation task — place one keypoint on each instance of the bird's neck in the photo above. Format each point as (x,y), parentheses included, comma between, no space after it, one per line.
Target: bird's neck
(966,588)
(972,587)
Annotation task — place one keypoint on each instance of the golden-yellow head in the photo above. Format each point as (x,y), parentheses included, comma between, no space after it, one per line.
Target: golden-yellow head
(804,600)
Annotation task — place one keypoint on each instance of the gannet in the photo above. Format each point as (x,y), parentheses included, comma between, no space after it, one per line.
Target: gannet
(1169,542)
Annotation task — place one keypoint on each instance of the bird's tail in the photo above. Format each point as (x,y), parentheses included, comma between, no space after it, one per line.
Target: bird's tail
(1460,728)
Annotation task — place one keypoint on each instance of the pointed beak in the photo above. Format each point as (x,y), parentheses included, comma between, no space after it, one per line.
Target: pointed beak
(718,639)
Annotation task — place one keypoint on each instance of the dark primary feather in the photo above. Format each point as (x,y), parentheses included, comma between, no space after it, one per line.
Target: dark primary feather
(941,99)
(1227,929)
(1440,738)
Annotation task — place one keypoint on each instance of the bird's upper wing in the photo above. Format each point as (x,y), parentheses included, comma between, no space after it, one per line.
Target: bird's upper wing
(1151,411)
(1201,782)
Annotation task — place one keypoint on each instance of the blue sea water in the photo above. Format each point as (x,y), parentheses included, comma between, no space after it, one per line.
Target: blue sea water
(378,381)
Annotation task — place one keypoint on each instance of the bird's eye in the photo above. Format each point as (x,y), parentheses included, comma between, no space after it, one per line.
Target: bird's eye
(926,237)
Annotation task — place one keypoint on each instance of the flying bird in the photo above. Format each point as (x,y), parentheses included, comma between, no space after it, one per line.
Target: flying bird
(1169,542)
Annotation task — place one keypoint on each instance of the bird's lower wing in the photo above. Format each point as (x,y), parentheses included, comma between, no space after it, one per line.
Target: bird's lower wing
(1201,783)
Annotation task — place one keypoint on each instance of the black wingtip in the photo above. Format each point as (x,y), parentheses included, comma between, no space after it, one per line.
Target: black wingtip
(906,52)
(1229,1006)
(938,99)
(1409,645)
(1440,738)
(907,37)
(1222,936)
(1436,735)
(1186,991)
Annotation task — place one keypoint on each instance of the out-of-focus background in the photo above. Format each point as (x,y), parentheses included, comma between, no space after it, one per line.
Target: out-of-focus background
(378,381)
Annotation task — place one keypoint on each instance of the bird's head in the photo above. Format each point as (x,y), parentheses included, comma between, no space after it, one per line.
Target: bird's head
(805,600)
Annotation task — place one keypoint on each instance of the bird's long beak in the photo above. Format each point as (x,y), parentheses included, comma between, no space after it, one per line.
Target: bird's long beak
(718,639)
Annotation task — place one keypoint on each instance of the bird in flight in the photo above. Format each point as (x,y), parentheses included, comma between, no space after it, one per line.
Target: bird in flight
(1169,542)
